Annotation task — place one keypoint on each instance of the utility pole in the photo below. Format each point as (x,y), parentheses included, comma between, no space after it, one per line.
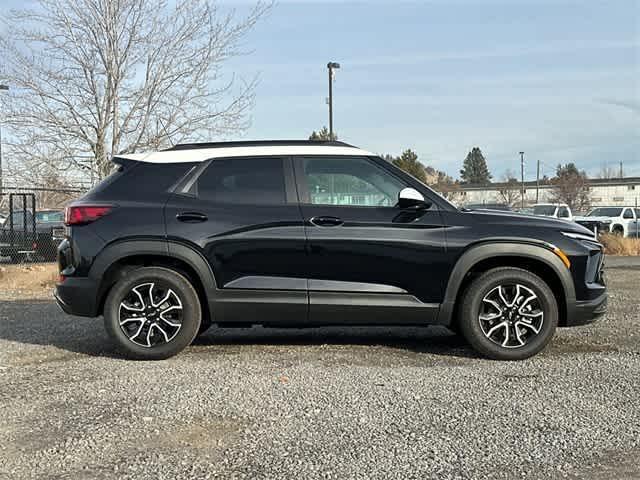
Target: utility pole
(2,87)
(538,183)
(522,179)
(331,66)
(637,212)
(621,174)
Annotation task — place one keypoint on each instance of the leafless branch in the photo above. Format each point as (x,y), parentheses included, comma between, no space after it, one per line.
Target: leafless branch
(95,78)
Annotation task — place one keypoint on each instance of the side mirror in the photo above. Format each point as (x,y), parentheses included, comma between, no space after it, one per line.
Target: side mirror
(411,198)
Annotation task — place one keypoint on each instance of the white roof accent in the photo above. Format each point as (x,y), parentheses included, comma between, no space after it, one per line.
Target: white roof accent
(202,154)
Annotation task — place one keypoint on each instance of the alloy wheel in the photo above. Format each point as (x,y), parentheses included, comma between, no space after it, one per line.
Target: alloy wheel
(511,315)
(150,314)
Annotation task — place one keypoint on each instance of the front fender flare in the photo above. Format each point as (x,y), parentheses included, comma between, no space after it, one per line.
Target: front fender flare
(476,254)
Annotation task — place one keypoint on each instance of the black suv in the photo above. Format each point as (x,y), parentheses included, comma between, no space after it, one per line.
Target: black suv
(303,234)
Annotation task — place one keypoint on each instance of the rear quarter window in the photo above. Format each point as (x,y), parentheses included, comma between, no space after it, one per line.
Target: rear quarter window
(140,181)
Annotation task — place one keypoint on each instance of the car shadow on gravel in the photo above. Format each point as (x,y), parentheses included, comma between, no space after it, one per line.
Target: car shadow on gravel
(431,340)
(40,322)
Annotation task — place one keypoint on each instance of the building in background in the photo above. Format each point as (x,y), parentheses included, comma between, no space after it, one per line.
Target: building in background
(613,191)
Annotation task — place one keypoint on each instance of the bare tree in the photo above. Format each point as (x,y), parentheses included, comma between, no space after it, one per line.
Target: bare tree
(571,186)
(95,78)
(607,172)
(446,186)
(509,193)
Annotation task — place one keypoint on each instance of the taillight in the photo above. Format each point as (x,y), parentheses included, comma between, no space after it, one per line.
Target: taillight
(84,214)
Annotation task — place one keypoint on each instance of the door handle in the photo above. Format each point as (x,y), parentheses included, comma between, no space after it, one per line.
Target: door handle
(191,217)
(326,221)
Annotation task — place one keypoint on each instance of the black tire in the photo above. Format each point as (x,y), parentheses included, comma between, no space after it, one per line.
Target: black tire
(147,281)
(618,231)
(478,306)
(18,258)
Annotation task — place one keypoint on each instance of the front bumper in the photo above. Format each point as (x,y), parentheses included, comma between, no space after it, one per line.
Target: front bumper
(77,296)
(587,311)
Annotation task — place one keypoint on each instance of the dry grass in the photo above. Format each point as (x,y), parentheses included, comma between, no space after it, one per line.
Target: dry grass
(615,245)
(36,279)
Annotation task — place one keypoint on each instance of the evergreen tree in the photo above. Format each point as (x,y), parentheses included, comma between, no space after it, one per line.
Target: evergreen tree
(408,161)
(323,135)
(474,169)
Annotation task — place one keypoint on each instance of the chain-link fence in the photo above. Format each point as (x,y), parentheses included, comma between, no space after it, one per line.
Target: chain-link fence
(32,222)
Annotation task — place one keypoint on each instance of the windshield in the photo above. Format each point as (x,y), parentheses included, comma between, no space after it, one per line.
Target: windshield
(605,212)
(547,210)
(49,217)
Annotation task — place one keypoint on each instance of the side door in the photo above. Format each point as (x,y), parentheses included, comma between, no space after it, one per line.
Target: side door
(242,215)
(628,222)
(369,261)
(563,213)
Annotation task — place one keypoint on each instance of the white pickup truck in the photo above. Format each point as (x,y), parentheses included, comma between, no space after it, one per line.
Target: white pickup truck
(623,221)
(555,210)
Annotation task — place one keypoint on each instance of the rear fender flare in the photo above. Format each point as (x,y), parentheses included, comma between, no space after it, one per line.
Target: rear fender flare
(163,248)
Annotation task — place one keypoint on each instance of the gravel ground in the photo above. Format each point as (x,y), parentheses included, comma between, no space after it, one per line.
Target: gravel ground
(323,403)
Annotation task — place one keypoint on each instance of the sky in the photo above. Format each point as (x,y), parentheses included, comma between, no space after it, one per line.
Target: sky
(559,80)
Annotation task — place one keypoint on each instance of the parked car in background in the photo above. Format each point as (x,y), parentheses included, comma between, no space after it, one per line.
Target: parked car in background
(489,206)
(50,227)
(525,210)
(554,210)
(24,235)
(621,221)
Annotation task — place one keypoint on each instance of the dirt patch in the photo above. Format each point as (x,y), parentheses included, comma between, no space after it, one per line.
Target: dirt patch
(573,346)
(611,465)
(204,434)
(39,357)
(27,281)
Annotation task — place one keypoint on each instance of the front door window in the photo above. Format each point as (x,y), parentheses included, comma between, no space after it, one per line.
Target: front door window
(355,182)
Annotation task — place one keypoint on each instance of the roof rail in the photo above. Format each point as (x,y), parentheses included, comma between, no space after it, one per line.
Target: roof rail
(257,143)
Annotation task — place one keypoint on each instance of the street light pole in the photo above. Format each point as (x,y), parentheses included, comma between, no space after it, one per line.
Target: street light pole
(2,87)
(538,183)
(522,179)
(331,66)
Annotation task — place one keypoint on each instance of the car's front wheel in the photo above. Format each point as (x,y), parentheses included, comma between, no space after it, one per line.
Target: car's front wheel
(153,313)
(508,314)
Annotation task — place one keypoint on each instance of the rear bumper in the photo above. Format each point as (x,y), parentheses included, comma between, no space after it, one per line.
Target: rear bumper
(77,296)
(587,311)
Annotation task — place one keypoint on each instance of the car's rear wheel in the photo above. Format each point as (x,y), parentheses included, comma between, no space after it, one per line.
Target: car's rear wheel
(153,313)
(508,314)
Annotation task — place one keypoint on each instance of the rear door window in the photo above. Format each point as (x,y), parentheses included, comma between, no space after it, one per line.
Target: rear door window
(243,181)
